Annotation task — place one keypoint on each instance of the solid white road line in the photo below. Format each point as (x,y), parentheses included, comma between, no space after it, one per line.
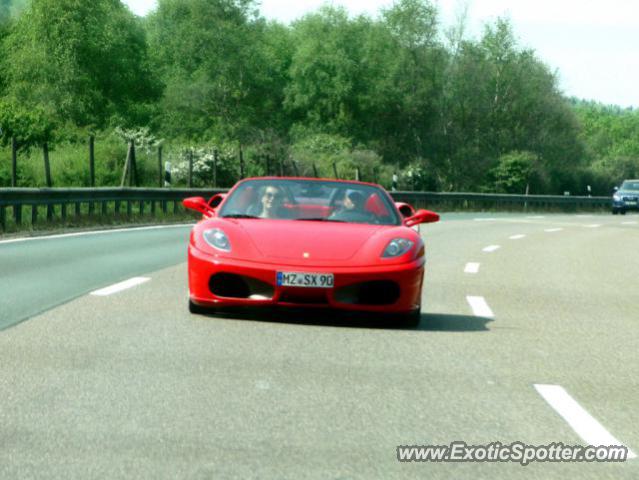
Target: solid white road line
(491,248)
(485,219)
(552,230)
(517,237)
(480,307)
(589,429)
(94,232)
(471,267)
(118,287)
(536,216)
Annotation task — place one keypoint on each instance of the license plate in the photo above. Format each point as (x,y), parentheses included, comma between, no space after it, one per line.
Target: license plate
(631,202)
(306,280)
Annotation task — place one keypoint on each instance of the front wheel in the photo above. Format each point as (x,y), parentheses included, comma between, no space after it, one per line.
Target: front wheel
(198,309)
(411,319)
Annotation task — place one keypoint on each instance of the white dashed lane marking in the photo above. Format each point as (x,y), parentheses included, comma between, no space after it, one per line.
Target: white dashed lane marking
(552,230)
(471,267)
(491,248)
(480,307)
(594,225)
(586,426)
(118,287)
(517,237)
(629,223)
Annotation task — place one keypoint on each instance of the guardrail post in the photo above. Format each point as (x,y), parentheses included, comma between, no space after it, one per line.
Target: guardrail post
(241,162)
(296,169)
(335,171)
(190,168)
(315,171)
(34,215)
(17,214)
(63,211)
(78,210)
(3,218)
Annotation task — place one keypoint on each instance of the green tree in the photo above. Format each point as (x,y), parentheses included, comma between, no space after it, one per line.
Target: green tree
(223,67)
(81,60)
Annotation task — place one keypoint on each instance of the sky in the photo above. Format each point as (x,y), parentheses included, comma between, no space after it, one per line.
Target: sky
(591,44)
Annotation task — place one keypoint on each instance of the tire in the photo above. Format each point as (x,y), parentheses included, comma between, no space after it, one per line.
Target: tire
(623,211)
(411,320)
(199,310)
(615,211)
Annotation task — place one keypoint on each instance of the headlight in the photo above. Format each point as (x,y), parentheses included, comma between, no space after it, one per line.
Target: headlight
(616,197)
(217,239)
(397,247)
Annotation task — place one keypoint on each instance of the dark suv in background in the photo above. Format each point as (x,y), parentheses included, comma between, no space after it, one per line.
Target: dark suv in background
(626,197)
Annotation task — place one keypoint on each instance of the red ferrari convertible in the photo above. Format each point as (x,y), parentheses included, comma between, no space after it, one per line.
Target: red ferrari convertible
(303,242)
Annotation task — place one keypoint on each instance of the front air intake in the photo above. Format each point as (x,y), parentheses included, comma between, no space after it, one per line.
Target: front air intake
(376,292)
(230,285)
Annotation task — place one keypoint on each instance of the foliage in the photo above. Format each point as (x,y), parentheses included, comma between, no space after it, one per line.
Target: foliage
(30,127)
(84,61)
(513,172)
(206,171)
(391,94)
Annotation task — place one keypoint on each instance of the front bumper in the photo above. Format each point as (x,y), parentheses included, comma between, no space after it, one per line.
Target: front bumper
(202,267)
(626,204)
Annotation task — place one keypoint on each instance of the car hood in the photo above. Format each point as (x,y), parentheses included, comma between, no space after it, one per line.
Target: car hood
(321,241)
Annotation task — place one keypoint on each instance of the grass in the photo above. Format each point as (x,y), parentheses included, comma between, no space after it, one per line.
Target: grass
(69,164)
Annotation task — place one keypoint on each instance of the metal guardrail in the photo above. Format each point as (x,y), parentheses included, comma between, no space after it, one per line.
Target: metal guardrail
(93,202)
(468,201)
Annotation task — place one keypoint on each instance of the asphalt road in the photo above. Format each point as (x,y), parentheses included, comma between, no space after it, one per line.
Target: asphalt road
(130,385)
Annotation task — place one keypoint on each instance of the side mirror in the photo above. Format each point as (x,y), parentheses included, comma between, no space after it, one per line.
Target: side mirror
(406,209)
(615,188)
(421,216)
(215,200)
(198,204)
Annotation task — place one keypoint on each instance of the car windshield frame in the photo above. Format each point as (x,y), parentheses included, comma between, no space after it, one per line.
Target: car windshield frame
(242,202)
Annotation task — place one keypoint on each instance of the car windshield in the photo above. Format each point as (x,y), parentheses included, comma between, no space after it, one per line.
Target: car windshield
(630,185)
(311,200)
